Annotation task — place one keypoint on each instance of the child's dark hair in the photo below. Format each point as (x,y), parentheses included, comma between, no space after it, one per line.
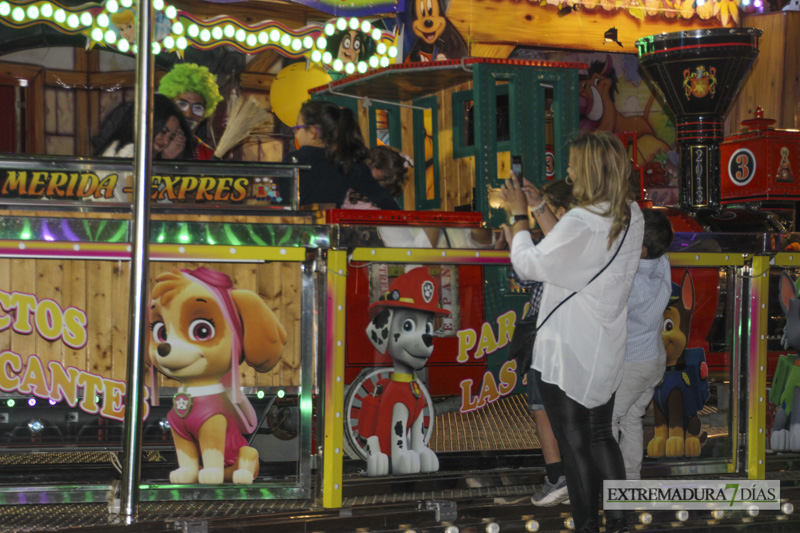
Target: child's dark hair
(657,233)
(344,144)
(118,126)
(392,172)
(558,193)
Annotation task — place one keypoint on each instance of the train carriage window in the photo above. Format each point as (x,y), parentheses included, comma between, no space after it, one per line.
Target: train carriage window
(464,122)
(385,129)
(426,154)
(384,125)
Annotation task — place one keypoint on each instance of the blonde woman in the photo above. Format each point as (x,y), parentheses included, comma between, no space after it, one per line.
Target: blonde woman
(579,349)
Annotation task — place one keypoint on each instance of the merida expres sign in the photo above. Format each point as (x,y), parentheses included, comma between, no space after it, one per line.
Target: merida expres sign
(105,186)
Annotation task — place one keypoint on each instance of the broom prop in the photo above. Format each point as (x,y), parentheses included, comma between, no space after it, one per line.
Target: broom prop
(246,118)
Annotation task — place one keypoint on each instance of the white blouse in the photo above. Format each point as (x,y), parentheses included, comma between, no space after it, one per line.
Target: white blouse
(581,347)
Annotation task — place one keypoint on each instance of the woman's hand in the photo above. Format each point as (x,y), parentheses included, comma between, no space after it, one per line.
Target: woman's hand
(504,238)
(175,147)
(515,198)
(532,194)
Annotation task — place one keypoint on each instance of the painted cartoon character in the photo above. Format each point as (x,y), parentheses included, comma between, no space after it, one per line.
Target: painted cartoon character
(598,110)
(436,37)
(785,390)
(202,328)
(351,46)
(684,389)
(125,21)
(402,325)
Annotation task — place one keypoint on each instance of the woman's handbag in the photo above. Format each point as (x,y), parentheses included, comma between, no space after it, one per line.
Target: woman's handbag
(520,348)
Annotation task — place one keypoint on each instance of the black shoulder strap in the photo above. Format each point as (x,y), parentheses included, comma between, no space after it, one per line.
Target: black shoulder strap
(562,302)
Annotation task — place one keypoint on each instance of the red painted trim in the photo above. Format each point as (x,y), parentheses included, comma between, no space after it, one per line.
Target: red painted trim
(682,124)
(698,138)
(690,47)
(709,130)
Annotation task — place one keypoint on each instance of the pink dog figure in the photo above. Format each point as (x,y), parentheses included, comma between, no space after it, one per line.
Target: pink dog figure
(402,325)
(202,329)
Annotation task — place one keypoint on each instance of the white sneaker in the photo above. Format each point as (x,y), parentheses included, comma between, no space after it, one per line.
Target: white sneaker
(551,493)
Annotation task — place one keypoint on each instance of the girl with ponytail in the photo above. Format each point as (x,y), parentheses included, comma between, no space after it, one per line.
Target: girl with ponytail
(329,140)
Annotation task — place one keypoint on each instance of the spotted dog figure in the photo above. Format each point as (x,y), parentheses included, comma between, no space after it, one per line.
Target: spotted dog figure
(402,325)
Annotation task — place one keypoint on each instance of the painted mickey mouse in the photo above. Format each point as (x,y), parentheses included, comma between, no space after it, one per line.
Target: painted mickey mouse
(402,324)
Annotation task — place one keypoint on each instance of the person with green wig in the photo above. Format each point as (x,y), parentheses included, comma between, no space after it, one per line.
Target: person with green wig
(194,90)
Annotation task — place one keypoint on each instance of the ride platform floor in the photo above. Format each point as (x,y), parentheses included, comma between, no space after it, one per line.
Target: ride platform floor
(474,489)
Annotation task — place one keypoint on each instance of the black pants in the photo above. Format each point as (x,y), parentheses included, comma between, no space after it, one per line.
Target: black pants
(589,453)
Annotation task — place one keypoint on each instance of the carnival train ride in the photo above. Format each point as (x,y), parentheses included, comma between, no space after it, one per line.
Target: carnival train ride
(65,260)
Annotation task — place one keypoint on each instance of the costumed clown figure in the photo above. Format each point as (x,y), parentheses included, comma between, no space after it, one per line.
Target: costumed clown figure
(402,325)
(194,90)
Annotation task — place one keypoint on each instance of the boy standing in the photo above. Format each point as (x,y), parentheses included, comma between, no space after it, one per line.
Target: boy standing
(645,357)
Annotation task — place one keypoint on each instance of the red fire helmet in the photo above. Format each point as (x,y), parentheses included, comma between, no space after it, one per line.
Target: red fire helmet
(413,290)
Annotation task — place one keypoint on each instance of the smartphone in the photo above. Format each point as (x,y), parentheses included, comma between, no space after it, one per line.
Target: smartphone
(516,166)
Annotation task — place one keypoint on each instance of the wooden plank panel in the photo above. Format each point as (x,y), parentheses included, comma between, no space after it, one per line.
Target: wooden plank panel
(112,80)
(23,274)
(466,180)
(50,111)
(120,300)
(62,78)
(156,269)
(74,294)
(289,370)
(83,116)
(269,288)
(49,281)
(280,291)
(763,85)
(407,136)
(5,285)
(244,277)
(790,117)
(35,141)
(492,50)
(526,24)
(99,297)
(256,82)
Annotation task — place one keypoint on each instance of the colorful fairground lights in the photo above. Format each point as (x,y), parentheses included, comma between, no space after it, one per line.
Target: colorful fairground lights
(185,31)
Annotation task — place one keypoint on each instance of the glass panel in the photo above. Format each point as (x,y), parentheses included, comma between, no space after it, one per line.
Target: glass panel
(383,126)
(783,328)
(430,178)
(64,312)
(269,376)
(474,397)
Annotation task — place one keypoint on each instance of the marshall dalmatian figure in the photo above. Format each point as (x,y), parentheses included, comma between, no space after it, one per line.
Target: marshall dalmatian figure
(402,325)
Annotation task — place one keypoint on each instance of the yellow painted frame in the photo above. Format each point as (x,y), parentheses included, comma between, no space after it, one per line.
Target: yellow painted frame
(333,440)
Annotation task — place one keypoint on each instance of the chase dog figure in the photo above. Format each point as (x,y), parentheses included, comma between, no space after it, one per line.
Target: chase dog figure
(684,389)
